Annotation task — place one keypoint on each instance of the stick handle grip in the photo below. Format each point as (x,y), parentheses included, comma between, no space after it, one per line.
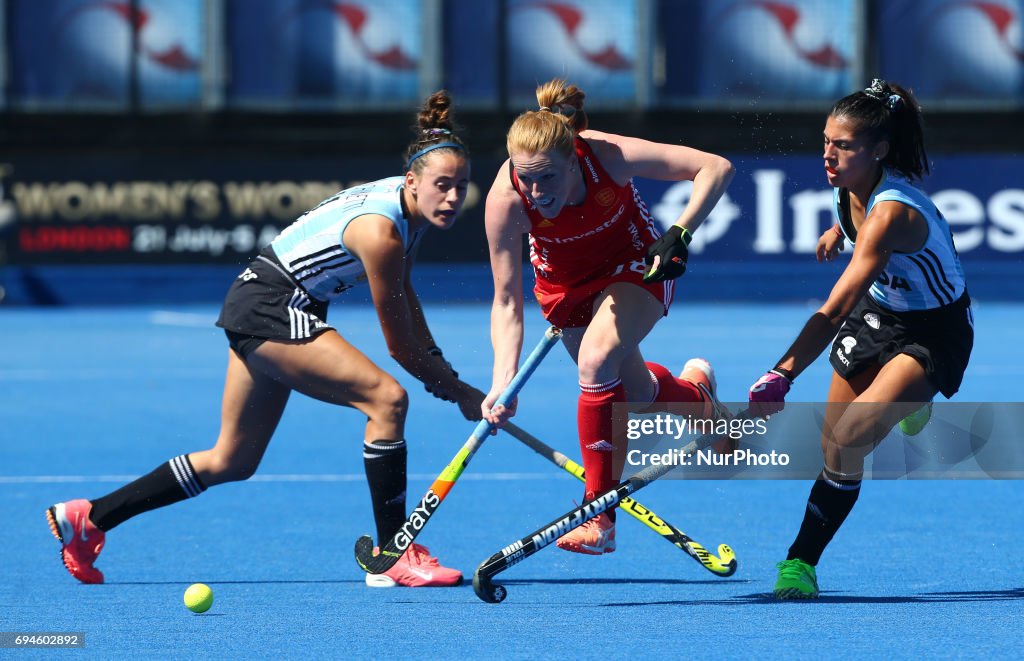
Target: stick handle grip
(551,337)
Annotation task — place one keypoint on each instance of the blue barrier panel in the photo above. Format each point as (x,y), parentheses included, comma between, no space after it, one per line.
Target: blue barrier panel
(954,50)
(778,206)
(77,54)
(747,51)
(592,43)
(295,53)
(757,244)
(705,280)
(470,53)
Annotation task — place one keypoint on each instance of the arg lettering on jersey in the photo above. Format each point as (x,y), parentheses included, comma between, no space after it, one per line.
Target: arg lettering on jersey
(894,282)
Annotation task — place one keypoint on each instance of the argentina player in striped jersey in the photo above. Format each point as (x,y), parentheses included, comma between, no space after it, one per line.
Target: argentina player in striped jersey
(275,318)
(899,318)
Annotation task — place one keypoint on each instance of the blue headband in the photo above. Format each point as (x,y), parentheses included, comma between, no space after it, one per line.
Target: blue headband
(439,145)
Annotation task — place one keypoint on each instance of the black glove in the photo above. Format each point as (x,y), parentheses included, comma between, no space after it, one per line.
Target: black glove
(670,252)
(437,392)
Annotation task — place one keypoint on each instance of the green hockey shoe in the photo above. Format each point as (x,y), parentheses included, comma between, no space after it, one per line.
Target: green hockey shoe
(797,580)
(915,422)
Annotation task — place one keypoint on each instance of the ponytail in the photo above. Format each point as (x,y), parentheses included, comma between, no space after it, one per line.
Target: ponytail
(435,131)
(554,125)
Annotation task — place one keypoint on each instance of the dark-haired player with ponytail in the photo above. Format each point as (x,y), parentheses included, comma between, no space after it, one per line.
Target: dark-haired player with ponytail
(898,320)
(604,273)
(275,319)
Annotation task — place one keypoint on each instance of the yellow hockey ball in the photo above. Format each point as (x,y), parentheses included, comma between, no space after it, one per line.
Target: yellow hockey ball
(198,598)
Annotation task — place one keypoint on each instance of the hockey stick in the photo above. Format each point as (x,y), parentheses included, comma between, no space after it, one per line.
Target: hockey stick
(396,546)
(518,551)
(723,564)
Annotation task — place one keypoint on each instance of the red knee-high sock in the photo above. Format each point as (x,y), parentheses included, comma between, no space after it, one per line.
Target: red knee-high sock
(671,389)
(594,417)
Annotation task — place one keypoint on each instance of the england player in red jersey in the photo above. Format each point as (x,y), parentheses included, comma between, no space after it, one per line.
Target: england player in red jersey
(604,274)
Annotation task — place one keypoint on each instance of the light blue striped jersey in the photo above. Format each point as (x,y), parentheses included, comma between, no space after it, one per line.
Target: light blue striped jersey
(922,280)
(312,251)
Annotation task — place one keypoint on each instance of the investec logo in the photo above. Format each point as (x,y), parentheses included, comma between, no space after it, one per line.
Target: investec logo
(419,517)
(600,228)
(790,210)
(573,521)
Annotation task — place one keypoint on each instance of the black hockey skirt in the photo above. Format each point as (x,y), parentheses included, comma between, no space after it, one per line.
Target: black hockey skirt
(264,303)
(940,339)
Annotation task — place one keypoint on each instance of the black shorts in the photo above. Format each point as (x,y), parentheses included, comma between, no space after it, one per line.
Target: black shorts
(940,339)
(264,303)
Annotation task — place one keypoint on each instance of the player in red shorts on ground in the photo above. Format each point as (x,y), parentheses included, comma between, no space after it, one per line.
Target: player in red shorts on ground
(604,273)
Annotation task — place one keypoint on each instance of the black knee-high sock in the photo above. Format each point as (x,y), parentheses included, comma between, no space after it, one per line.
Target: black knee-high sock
(385,463)
(169,483)
(832,497)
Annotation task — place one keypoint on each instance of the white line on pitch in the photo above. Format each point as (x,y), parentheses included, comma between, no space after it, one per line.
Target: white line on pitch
(190,319)
(91,374)
(280,477)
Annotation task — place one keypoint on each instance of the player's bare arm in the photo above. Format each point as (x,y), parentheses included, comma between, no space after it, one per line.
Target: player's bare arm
(378,245)
(626,157)
(878,236)
(506,223)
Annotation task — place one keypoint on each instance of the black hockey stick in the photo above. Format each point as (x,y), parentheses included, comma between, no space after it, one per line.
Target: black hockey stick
(394,548)
(483,578)
(723,564)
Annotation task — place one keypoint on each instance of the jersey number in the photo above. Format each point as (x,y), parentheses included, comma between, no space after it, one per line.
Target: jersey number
(636,266)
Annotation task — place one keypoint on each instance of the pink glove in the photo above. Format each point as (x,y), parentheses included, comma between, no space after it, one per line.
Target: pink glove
(768,394)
